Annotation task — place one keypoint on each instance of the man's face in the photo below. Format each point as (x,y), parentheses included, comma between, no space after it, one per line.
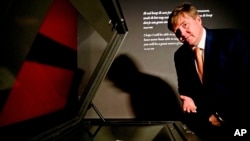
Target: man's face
(188,29)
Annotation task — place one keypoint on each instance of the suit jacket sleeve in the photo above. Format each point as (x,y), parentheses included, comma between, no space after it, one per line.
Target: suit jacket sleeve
(188,80)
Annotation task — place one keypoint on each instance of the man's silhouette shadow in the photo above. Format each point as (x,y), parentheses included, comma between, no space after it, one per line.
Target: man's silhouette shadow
(151,97)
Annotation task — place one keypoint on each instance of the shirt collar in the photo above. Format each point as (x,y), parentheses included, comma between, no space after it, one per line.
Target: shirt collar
(202,41)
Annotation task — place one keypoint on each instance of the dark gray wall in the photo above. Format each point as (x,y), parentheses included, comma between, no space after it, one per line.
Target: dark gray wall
(151,45)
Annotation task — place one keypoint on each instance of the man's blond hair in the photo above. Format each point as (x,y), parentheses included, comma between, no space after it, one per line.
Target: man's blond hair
(186,8)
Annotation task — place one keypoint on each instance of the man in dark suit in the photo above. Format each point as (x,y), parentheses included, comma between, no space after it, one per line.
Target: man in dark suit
(216,102)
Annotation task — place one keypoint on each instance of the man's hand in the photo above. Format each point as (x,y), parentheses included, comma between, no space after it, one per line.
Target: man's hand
(188,104)
(214,121)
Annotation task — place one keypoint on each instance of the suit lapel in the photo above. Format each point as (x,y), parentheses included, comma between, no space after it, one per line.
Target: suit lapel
(208,53)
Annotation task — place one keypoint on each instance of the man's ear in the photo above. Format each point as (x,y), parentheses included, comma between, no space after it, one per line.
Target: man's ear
(198,19)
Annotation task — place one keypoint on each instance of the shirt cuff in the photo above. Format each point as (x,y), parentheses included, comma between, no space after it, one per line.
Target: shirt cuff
(219,117)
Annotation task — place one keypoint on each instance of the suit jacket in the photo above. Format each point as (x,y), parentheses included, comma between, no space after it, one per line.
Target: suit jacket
(226,83)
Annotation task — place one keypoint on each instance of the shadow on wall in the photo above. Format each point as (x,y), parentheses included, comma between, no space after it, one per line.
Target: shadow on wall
(151,97)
